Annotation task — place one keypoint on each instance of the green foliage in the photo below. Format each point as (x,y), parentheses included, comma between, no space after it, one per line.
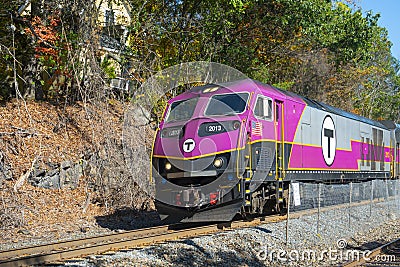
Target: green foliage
(108,68)
(11,28)
(321,49)
(284,85)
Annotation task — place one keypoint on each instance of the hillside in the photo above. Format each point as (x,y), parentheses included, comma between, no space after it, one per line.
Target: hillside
(77,144)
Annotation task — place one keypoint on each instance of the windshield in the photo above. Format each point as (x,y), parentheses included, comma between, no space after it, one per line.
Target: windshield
(227,104)
(181,110)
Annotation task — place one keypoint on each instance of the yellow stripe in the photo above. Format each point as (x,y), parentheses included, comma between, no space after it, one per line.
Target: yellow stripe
(151,155)
(249,101)
(321,169)
(262,140)
(238,145)
(343,149)
(201,156)
(237,149)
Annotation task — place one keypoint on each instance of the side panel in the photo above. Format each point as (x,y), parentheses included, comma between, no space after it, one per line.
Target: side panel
(365,153)
(328,142)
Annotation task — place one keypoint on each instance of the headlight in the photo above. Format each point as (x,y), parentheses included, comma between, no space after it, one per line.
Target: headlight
(168,166)
(218,162)
(236,125)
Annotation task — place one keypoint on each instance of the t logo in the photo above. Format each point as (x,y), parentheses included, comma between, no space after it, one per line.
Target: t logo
(189,145)
(328,140)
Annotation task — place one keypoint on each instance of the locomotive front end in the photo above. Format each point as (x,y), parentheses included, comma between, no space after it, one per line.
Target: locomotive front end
(198,155)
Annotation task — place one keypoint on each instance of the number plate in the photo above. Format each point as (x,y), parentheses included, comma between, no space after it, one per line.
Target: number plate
(214,128)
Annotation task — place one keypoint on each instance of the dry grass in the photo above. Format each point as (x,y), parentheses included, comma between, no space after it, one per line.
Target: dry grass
(49,134)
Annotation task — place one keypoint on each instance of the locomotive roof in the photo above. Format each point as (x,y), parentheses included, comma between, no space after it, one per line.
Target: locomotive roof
(337,111)
(294,96)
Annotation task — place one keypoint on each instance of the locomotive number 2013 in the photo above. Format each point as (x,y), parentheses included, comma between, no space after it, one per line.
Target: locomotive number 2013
(214,128)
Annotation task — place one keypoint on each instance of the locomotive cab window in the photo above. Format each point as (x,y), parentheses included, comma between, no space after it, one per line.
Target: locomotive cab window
(227,104)
(263,108)
(181,110)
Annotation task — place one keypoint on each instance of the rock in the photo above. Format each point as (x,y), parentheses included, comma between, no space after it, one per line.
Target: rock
(5,172)
(63,175)
(52,165)
(45,183)
(39,172)
(5,169)
(53,172)
(78,170)
(49,182)
(66,164)
(84,164)
(70,177)
(85,229)
(24,232)
(55,181)
(34,179)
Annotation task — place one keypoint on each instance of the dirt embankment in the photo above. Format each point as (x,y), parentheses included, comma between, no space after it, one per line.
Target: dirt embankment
(38,138)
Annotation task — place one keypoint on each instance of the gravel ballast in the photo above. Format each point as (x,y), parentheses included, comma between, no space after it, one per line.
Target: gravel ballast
(341,234)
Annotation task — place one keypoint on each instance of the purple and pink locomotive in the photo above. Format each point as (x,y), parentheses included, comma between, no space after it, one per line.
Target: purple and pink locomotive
(233,148)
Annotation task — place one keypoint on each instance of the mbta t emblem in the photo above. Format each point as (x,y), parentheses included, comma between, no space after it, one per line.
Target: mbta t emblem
(189,145)
(328,140)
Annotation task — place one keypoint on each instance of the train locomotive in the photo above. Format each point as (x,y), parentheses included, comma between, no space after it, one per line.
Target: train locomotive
(233,148)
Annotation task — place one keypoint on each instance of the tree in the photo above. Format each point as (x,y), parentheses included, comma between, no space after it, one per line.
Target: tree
(16,51)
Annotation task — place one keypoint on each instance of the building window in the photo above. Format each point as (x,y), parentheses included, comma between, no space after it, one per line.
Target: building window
(109,17)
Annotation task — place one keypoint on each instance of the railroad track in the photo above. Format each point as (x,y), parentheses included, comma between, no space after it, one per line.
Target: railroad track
(61,251)
(385,255)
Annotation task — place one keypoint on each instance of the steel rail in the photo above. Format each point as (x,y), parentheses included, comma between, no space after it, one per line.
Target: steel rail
(40,251)
(374,253)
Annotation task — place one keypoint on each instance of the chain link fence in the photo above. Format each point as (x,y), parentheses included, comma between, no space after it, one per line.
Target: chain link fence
(363,201)
(323,195)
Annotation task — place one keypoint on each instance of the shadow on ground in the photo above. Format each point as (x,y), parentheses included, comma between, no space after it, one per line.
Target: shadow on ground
(193,254)
(129,219)
(366,246)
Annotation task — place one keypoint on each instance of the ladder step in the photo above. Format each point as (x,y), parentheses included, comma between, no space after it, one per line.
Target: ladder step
(247,191)
(248,203)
